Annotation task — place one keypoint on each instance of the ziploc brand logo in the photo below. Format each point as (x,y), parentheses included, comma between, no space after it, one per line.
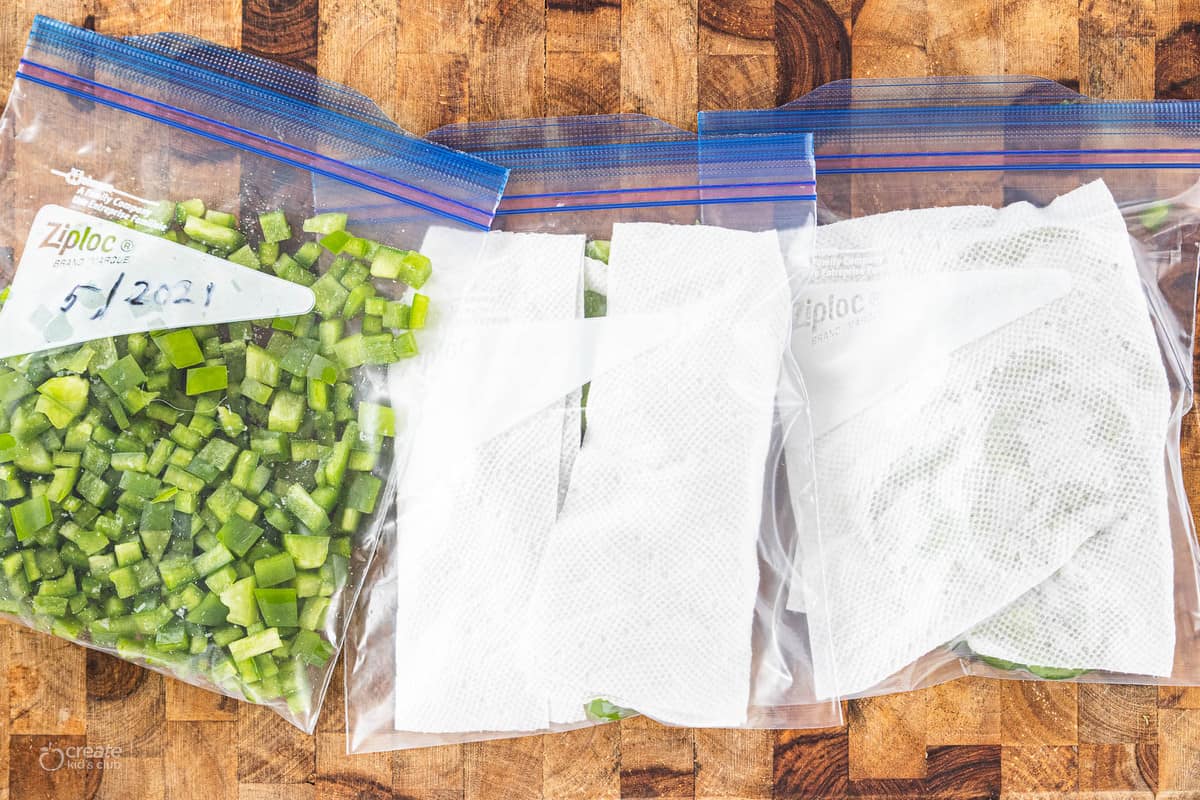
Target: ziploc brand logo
(63,238)
(818,313)
(82,278)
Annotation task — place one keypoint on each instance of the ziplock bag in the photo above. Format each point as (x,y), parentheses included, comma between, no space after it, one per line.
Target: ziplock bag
(601,537)
(997,339)
(196,434)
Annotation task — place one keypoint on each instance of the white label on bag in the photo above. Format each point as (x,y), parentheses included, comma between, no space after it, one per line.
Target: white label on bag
(856,341)
(83,278)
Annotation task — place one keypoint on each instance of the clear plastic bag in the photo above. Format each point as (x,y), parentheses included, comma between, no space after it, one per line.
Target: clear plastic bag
(1093,197)
(196,431)
(626,254)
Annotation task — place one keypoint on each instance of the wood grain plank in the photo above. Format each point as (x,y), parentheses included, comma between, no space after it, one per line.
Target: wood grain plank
(890,40)
(963,37)
(1111,768)
(1041,37)
(811,765)
(1039,713)
(1178,750)
(583,83)
(122,777)
(434,26)
(430,773)
(47,679)
(126,715)
(211,744)
(509,768)
(733,764)
(284,31)
(1179,697)
(658,59)
(356,45)
(218,21)
(39,768)
(270,750)
(344,777)
(1115,714)
(16,18)
(1177,49)
(812,47)
(738,81)
(186,702)
(582,764)
(419,112)
(125,705)
(736,29)
(656,761)
(333,707)
(275,791)
(1029,770)
(508,60)
(953,773)
(965,711)
(887,736)
(583,26)
(1117,43)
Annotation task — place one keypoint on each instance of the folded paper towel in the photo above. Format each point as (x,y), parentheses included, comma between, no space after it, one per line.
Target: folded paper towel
(973,451)
(475,510)
(646,593)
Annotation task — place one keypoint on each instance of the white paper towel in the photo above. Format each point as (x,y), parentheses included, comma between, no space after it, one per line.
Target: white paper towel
(475,515)
(646,593)
(983,464)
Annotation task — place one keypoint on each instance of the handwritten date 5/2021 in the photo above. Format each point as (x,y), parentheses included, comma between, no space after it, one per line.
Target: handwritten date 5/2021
(141,293)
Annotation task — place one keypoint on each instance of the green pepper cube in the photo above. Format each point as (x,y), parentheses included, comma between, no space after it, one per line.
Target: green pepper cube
(176,573)
(376,420)
(396,315)
(261,366)
(274,226)
(307,254)
(248,647)
(180,347)
(363,492)
(246,257)
(222,218)
(334,241)
(31,516)
(211,233)
(419,311)
(308,552)
(302,506)
(310,648)
(278,607)
(330,296)
(326,223)
(239,599)
(207,379)
(312,616)
(375,306)
(69,391)
(274,570)
(287,412)
(408,266)
(124,582)
(210,611)
(239,535)
(212,560)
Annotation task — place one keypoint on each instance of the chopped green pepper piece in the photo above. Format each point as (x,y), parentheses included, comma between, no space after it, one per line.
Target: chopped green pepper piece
(274,226)
(207,379)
